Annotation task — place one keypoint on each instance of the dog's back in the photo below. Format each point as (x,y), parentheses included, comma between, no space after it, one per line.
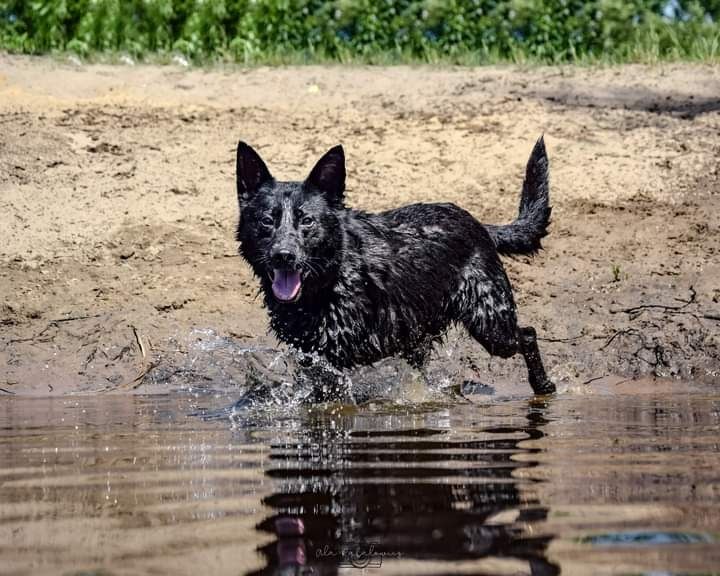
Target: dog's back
(401,280)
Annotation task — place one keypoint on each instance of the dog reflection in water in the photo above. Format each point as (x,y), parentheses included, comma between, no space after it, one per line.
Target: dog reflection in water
(360,496)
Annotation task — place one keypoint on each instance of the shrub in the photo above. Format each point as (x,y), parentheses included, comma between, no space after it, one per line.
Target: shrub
(368,30)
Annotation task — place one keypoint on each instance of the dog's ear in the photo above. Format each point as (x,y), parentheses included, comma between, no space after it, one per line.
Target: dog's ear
(250,171)
(328,175)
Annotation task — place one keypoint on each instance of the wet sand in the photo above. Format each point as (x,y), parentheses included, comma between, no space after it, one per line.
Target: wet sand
(117,207)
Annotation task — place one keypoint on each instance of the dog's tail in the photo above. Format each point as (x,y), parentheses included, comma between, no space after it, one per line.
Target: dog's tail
(523,235)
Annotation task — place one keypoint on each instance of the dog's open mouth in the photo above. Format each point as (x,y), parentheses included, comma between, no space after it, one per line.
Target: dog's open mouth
(286,284)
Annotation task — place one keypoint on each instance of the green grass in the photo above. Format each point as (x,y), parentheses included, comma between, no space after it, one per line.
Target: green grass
(463,32)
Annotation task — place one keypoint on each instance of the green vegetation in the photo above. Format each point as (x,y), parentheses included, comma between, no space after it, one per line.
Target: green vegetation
(455,31)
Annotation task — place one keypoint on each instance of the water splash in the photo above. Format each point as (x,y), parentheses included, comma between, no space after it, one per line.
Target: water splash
(284,380)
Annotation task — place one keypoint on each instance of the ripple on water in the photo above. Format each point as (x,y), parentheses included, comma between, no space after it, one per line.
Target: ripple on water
(578,485)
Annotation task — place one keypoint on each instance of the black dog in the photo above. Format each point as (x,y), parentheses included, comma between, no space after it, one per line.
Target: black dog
(358,287)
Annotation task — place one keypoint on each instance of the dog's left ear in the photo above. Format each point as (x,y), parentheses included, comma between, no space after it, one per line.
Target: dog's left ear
(328,175)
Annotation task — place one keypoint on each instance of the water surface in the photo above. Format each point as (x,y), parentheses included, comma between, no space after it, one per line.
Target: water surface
(577,484)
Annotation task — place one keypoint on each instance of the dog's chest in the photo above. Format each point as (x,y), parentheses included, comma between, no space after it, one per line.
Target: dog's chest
(343,329)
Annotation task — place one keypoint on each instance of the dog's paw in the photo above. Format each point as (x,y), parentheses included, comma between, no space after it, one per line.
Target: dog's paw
(543,387)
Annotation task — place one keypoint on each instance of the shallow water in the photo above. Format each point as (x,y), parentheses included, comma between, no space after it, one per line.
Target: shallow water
(578,484)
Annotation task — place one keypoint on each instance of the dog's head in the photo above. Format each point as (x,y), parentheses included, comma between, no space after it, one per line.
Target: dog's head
(290,232)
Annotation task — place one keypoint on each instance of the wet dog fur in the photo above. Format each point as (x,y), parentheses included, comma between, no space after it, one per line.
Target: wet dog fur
(356,287)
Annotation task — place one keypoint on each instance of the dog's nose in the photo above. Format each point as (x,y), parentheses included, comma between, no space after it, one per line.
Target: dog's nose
(283,258)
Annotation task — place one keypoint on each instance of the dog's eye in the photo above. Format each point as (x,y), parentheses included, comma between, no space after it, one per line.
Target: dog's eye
(267,221)
(306,221)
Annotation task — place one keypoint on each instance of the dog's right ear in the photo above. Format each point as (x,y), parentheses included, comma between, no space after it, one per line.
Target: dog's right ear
(250,172)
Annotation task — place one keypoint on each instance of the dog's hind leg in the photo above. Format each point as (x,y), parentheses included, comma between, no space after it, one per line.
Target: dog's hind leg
(486,307)
(539,381)
(508,343)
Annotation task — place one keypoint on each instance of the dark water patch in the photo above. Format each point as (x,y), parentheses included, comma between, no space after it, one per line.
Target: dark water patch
(643,538)
(684,106)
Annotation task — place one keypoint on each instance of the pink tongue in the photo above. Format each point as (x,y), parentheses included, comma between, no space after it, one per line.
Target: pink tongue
(286,284)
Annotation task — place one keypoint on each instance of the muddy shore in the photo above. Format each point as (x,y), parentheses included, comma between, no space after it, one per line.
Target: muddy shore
(117,207)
